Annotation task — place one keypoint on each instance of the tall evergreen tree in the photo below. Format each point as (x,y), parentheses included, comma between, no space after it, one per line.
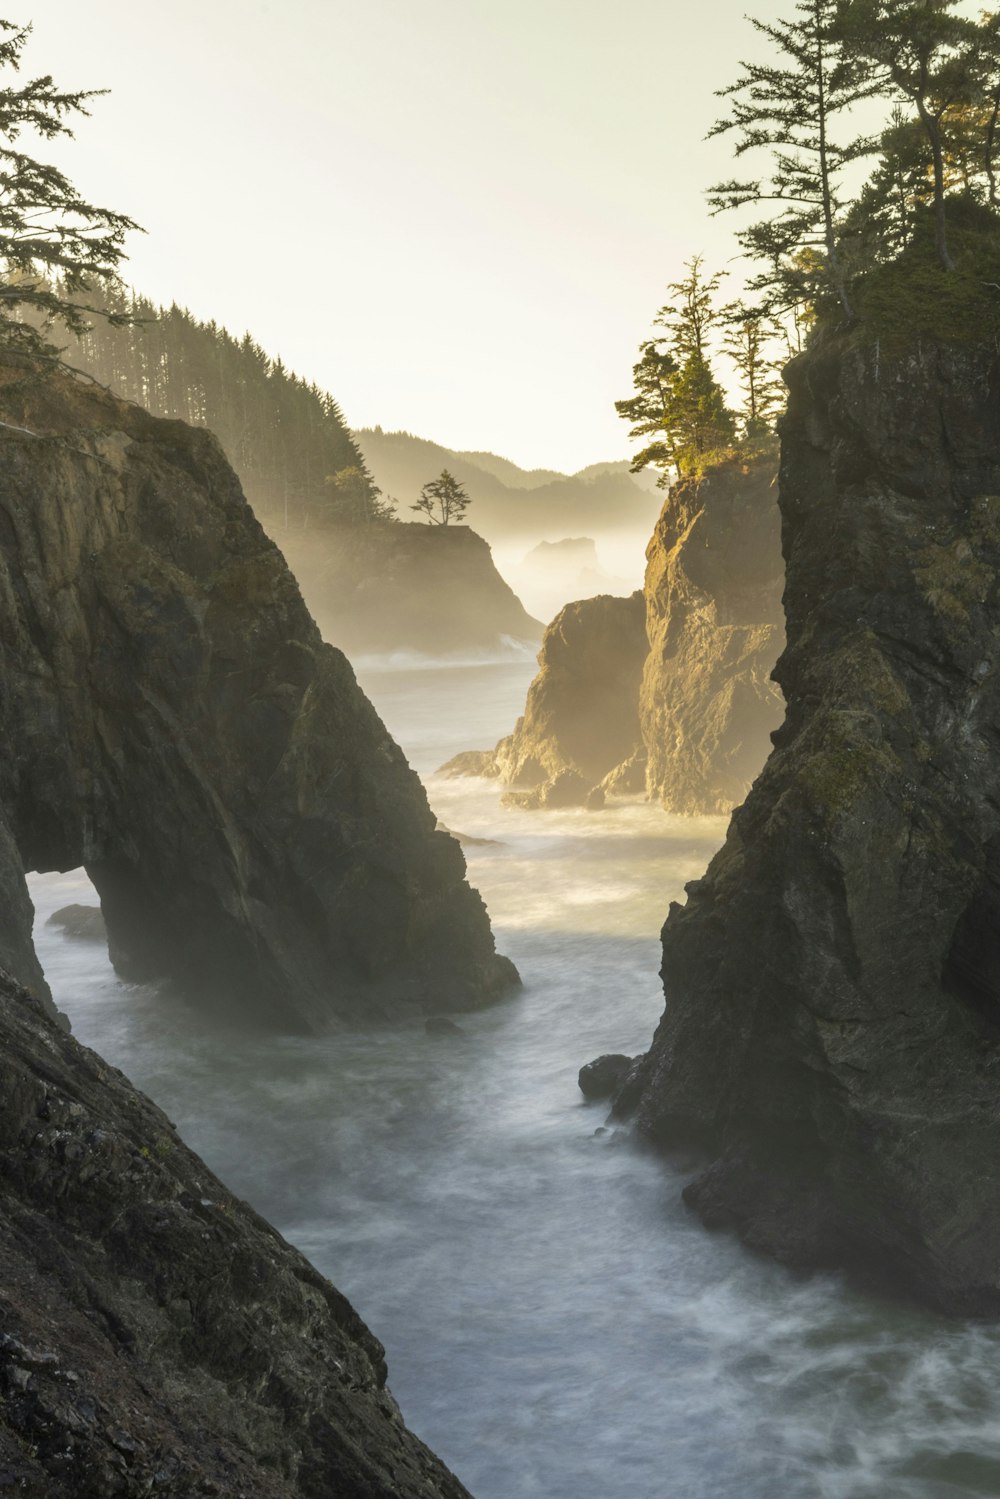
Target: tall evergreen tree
(46,227)
(677,401)
(750,342)
(790,109)
(924,51)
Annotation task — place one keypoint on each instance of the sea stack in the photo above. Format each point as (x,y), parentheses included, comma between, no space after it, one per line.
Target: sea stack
(831,1037)
(176,725)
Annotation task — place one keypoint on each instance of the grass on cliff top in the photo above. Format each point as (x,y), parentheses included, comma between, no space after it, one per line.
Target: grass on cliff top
(915,295)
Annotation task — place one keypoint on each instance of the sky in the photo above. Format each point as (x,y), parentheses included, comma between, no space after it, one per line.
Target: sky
(458,216)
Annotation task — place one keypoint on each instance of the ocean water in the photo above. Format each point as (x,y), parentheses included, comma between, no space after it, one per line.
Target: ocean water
(557,1324)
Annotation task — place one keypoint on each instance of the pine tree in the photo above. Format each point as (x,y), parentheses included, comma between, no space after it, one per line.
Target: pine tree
(750,342)
(677,400)
(921,49)
(443,500)
(46,227)
(789,109)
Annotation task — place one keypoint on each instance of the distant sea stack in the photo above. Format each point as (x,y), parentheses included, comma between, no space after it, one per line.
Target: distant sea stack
(831,1038)
(401,586)
(175,724)
(158,1337)
(668,693)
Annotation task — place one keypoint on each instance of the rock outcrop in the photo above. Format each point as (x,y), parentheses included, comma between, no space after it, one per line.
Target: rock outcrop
(174,723)
(581,718)
(714,575)
(407,586)
(157,1336)
(668,693)
(831,1037)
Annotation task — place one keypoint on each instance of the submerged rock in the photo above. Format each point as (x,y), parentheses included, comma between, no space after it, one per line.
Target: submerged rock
(158,1337)
(404,586)
(175,724)
(667,693)
(831,1037)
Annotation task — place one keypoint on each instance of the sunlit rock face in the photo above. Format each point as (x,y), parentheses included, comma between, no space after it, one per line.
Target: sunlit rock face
(407,587)
(831,1036)
(667,693)
(714,575)
(158,1336)
(175,724)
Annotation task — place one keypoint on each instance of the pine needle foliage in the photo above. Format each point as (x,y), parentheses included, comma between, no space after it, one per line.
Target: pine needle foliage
(286,438)
(47,228)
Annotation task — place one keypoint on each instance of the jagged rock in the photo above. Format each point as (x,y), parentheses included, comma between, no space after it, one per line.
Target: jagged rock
(581,718)
(174,723)
(713,585)
(84,923)
(604,1076)
(406,586)
(157,1335)
(831,1037)
(668,693)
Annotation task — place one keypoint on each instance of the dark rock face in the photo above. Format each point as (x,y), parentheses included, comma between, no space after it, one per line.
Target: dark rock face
(174,723)
(157,1335)
(714,576)
(581,717)
(669,692)
(406,586)
(604,1075)
(831,1035)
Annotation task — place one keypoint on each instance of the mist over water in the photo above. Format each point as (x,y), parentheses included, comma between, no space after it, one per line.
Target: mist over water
(557,1325)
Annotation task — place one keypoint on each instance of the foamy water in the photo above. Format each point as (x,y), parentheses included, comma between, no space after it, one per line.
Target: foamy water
(557,1325)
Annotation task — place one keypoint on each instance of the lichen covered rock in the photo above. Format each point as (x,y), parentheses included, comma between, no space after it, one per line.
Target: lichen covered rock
(831,1037)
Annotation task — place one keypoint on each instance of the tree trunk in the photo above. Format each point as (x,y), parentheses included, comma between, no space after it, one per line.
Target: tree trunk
(932,125)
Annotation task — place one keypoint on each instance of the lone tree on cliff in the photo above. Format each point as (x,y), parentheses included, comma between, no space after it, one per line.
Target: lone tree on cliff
(443,500)
(47,230)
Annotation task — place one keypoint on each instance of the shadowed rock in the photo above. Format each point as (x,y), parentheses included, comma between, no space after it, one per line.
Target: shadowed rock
(84,923)
(175,724)
(831,1038)
(158,1337)
(604,1075)
(581,718)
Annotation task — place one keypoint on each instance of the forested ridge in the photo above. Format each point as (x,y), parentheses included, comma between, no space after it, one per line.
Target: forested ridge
(286,438)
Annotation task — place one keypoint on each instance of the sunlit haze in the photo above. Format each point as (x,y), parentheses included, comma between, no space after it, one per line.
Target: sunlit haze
(458,217)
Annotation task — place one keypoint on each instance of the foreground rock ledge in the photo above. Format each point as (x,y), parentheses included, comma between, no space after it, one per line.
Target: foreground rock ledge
(174,722)
(831,1037)
(157,1336)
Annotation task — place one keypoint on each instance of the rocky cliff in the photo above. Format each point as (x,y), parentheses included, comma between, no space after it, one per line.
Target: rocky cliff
(714,575)
(831,1037)
(669,692)
(581,718)
(158,1337)
(406,586)
(174,723)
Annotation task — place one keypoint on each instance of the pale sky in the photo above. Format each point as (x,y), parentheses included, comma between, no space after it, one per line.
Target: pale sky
(458,216)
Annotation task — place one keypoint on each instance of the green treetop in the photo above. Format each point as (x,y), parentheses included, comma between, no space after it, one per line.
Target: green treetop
(443,500)
(47,229)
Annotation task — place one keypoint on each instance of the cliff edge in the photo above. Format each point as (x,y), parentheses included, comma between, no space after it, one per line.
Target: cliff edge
(404,586)
(831,1037)
(175,724)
